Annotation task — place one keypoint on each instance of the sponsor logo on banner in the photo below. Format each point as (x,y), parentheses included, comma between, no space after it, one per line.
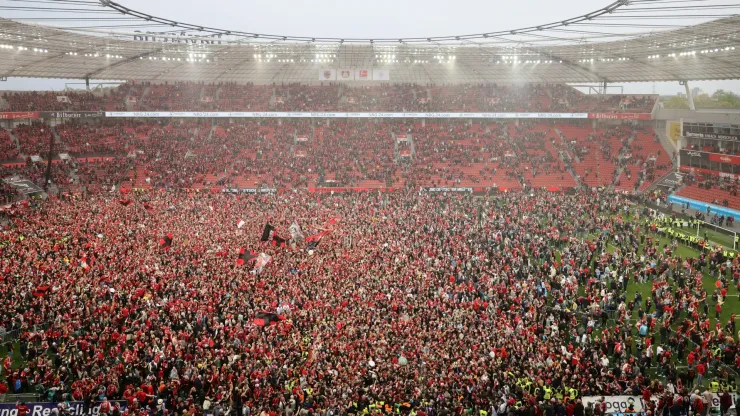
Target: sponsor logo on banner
(18,115)
(327,74)
(621,116)
(620,404)
(362,75)
(449,189)
(346,75)
(701,171)
(250,190)
(381,75)
(44,408)
(692,154)
(715,136)
(71,114)
(716,157)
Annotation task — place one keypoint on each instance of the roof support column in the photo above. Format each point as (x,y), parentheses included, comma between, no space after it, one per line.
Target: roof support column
(87,83)
(689,97)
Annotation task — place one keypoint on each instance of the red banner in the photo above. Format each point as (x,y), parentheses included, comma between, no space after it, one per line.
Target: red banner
(19,115)
(708,172)
(716,157)
(621,116)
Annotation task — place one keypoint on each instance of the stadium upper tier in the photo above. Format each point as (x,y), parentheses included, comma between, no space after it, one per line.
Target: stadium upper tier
(703,51)
(188,96)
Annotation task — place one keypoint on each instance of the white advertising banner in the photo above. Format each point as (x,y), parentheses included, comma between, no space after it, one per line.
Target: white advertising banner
(280,114)
(346,74)
(620,404)
(328,74)
(381,75)
(363,75)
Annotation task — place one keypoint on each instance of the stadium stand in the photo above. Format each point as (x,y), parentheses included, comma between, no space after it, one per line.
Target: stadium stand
(188,96)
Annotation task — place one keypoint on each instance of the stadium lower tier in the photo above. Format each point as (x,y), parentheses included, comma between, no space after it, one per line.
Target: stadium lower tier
(352,153)
(405,303)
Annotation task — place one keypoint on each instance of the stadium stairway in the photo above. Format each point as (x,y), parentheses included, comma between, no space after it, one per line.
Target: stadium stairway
(3,103)
(58,143)
(15,140)
(618,177)
(571,153)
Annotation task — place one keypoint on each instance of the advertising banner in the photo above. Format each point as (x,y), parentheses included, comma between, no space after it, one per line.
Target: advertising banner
(44,408)
(279,114)
(363,75)
(449,189)
(709,172)
(693,155)
(329,74)
(250,190)
(346,74)
(711,136)
(19,115)
(621,116)
(71,114)
(620,404)
(381,75)
(718,157)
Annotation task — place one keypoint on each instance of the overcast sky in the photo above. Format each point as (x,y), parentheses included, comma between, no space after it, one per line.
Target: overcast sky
(376,18)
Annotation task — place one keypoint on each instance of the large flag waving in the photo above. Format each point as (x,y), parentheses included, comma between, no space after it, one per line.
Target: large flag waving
(245,257)
(313,240)
(266,232)
(296,233)
(261,262)
(166,242)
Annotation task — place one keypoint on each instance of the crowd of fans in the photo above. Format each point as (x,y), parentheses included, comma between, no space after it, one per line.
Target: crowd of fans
(198,96)
(392,303)
(358,153)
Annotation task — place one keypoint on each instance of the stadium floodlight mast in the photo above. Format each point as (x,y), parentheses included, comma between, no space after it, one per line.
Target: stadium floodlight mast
(609,9)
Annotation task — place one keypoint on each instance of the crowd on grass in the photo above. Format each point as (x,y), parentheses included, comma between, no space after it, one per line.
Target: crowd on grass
(363,303)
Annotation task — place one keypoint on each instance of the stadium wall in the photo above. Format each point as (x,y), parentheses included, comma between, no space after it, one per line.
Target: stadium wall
(703,206)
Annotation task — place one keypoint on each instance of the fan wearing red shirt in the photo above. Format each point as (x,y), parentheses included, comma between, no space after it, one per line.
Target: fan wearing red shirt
(701,369)
(22,408)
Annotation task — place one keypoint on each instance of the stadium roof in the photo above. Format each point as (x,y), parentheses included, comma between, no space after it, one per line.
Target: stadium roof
(707,51)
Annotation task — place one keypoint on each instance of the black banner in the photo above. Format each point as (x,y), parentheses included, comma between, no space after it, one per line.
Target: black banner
(711,136)
(693,156)
(72,114)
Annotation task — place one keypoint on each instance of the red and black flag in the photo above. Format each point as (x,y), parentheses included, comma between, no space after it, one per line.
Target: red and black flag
(278,241)
(266,232)
(245,257)
(125,202)
(147,206)
(166,242)
(266,319)
(313,240)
